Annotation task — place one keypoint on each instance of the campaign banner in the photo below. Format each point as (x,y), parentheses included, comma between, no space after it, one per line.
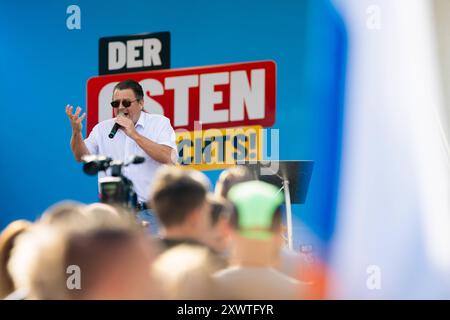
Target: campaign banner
(221,96)
(219,148)
(134,53)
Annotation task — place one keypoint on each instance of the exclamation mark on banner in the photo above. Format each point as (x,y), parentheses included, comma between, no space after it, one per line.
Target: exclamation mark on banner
(253,152)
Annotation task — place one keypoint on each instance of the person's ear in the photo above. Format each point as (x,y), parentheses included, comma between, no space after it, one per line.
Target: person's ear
(226,227)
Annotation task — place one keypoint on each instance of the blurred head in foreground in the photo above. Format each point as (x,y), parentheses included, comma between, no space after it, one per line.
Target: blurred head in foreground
(114,264)
(231,177)
(190,279)
(179,202)
(101,254)
(256,221)
(220,210)
(7,240)
(256,225)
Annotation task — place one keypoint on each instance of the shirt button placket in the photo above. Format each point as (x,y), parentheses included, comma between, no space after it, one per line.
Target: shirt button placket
(126,153)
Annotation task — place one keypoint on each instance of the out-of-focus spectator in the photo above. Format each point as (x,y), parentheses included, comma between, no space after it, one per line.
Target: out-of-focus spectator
(179,202)
(114,264)
(36,265)
(230,177)
(184,272)
(290,262)
(256,223)
(219,239)
(107,250)
(7,239)
(104,215)
(62,212)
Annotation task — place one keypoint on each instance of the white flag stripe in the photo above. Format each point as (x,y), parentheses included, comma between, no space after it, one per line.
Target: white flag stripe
(393,209)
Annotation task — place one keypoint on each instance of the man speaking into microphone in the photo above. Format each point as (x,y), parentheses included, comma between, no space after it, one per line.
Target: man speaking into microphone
(132,131)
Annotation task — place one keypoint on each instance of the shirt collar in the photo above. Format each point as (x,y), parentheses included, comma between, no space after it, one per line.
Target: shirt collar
(140,121)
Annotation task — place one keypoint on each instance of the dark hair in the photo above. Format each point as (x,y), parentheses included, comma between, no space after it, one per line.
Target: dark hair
(133,85)
(176,193)
(230,177)
(220,208)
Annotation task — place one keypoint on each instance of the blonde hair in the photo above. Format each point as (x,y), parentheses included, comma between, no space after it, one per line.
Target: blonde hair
(189,280)
(38,260)
(36,264)
(7,242)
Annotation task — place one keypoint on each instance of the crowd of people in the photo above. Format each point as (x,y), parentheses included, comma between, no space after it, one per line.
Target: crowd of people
(222,244)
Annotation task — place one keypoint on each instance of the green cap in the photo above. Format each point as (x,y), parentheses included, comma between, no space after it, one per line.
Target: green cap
(256,202)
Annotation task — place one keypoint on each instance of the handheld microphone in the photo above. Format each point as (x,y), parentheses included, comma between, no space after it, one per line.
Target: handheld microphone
(114,129)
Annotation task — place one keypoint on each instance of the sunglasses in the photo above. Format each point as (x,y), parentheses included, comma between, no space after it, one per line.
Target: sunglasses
(125,102)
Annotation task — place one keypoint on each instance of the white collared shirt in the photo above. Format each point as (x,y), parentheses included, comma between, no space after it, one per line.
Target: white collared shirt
(152,126)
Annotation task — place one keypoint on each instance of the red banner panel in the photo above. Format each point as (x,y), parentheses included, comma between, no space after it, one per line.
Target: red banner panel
(230,95)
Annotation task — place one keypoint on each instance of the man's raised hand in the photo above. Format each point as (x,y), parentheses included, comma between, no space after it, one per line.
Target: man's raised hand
(75,119)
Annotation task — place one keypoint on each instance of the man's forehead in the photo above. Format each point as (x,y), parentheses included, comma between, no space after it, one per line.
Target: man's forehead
(125,93)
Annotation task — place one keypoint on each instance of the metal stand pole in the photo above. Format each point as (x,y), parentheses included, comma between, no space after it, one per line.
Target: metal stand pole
(287,198)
